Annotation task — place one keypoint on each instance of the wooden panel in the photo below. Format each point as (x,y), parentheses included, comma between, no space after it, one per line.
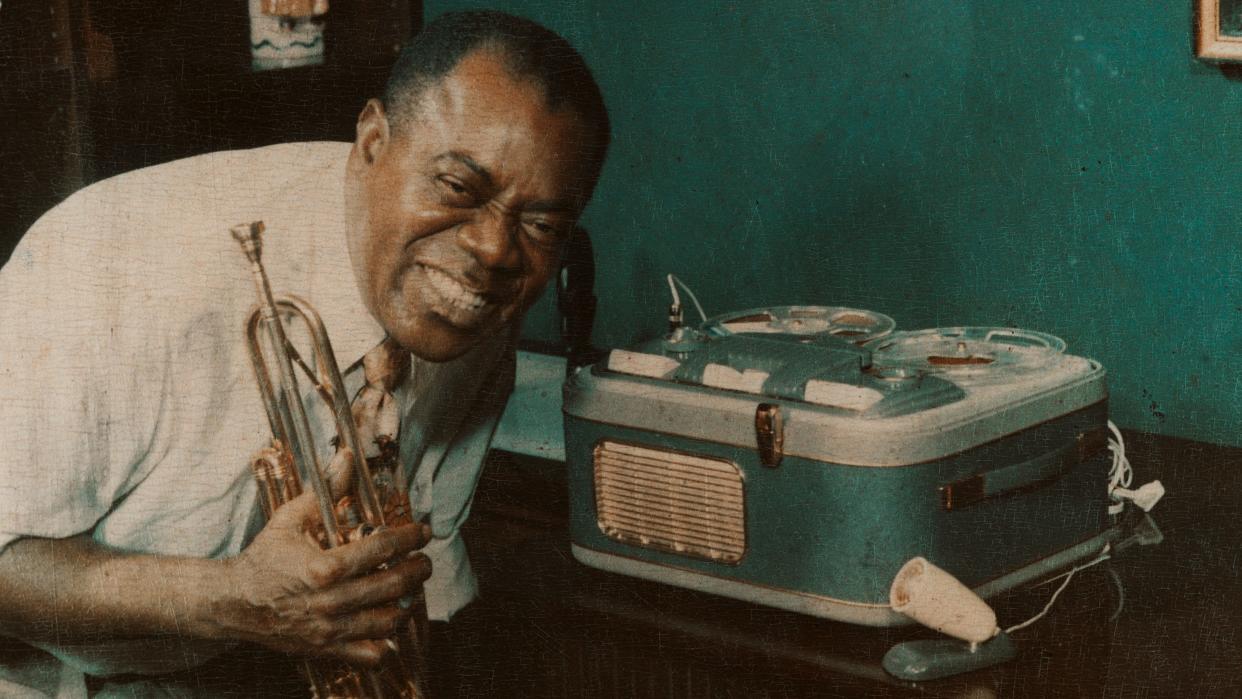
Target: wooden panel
(42,145)
(94,90)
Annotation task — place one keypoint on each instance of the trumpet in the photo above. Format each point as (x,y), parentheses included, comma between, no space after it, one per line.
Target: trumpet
(375,498)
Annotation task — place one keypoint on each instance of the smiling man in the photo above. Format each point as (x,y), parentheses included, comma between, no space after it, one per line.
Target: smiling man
(462,197)
(130,539)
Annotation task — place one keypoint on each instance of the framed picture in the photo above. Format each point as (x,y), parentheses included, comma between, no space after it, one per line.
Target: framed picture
(1219,30)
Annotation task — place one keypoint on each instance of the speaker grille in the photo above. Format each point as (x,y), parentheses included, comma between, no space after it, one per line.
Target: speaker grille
(666,500)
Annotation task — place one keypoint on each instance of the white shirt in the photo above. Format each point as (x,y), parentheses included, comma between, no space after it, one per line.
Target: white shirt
(128,406)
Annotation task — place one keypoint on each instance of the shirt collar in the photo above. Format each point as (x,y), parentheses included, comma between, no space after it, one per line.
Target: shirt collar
(331,285)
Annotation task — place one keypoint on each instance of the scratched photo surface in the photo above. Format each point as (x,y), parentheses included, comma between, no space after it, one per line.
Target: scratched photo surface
(709,501)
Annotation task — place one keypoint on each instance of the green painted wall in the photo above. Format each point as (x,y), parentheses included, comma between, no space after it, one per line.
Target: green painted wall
(1062,165)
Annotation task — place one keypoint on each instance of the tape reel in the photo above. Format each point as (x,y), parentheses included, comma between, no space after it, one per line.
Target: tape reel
(978,354)
(851,324)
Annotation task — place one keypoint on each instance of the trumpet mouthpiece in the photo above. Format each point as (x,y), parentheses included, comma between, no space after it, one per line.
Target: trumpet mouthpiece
(250,237)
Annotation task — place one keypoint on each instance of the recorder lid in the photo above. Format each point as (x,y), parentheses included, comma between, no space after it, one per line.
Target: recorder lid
(826,371)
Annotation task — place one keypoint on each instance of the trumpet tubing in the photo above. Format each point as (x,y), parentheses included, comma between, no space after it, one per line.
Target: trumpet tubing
(374,498)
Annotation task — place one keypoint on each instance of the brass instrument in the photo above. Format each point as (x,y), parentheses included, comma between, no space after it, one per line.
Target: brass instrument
(376,496)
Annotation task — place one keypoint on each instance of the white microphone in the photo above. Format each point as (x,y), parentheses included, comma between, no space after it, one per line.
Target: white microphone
(934,598)
(939,601)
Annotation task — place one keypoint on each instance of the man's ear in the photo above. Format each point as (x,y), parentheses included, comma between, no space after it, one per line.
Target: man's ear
(371,133)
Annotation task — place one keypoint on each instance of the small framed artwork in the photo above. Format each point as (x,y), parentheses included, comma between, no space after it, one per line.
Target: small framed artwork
(1219,30)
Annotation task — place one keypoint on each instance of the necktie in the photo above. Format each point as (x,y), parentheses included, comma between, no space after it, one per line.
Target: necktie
(375,409)
(377,419)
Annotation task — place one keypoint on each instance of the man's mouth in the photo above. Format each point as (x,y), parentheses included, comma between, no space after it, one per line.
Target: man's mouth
(461,305)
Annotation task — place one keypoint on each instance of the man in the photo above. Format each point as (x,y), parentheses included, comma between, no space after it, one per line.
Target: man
(127,406)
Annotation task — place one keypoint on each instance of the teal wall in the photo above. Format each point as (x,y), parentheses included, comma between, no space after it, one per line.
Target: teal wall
(1065,166)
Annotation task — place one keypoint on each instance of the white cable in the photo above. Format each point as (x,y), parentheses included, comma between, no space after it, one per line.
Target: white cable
(1104,556)
(673,290)
(677,298)
(1120,476)
(1121,473)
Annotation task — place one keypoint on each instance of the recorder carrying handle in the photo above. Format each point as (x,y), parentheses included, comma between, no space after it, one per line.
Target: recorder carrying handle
(1007,479)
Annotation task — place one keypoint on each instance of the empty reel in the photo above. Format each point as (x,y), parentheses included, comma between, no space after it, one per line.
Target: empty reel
(851,324)
(978,354)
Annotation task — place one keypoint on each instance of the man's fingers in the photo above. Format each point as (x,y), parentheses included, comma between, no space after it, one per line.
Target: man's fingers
(376,623)
(363,653)
(341,471)
(366,554)
(382,587)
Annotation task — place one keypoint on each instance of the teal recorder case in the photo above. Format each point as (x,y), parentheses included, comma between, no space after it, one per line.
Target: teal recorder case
(781,457)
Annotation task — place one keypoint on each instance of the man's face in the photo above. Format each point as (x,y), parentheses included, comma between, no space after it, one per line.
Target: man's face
(457,220)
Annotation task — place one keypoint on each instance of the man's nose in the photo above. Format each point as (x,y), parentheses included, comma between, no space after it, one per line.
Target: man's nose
(491,239)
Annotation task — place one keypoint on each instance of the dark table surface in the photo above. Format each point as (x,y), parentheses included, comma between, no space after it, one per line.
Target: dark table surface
(1156,620)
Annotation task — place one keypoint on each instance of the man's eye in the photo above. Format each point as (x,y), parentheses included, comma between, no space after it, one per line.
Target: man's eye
(452,186)
(543,230)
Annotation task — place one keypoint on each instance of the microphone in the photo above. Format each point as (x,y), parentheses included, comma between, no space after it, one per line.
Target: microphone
(934,598)
(939,601)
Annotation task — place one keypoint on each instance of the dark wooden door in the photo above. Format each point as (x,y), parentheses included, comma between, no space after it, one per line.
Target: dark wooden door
(92,89)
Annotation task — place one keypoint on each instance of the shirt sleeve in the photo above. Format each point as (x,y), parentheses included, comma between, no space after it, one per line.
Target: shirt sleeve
(71,403)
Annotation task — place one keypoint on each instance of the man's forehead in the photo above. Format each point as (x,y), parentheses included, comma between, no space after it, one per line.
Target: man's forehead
(480,83)
(484,105)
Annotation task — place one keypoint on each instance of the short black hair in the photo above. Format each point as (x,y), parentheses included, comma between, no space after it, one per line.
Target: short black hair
(530,51)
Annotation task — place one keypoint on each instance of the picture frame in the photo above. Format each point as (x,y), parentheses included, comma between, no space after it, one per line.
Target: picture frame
(1218,30)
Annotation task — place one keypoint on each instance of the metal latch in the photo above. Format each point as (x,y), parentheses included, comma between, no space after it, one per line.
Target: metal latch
(770,434)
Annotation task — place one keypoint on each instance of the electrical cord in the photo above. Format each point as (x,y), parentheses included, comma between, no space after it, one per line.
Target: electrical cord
(1104,556)
(677,297)
(1120,476)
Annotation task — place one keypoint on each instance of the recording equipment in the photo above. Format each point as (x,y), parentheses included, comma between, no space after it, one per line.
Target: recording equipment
(800,456)
(376,497)
(937,600)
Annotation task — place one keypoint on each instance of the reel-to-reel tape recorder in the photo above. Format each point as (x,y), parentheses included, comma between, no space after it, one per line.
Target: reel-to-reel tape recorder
(798,456)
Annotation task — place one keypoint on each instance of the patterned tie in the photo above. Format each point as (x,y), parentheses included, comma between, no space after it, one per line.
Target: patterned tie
(377,418)
(375,407)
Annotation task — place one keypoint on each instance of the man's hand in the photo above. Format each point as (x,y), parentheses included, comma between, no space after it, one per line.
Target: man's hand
(284,592)
(293,596)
